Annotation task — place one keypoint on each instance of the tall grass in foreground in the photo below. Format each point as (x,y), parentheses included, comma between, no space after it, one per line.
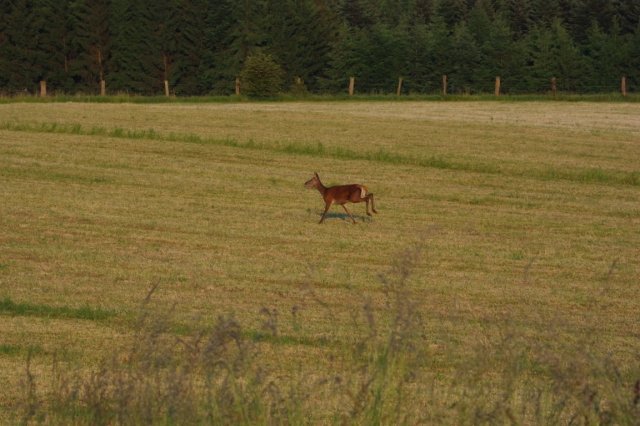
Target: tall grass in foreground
(217,374)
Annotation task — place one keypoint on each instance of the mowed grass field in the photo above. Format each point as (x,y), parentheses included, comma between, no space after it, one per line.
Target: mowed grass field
(526,217)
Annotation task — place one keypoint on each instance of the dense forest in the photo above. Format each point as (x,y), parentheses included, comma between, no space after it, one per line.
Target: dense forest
(200,46)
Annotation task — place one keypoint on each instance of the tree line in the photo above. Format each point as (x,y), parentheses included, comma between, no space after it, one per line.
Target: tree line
(201,46)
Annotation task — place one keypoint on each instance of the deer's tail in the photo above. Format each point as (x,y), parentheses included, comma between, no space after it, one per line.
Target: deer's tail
(363,192)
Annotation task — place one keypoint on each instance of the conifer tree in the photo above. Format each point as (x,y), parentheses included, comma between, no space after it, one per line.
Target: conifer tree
(452,11)
(135,63)
(466,60)
(19,48)
(219,63)
(552,53)
(200,46)
(607,56)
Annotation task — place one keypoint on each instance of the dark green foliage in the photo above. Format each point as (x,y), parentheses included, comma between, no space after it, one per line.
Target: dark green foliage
(261,76)
(606,60)
(466,60)
(201,46)
(136,61)
(552,53)
(218,68)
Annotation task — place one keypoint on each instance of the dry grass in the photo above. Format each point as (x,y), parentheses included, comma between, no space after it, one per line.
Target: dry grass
(515,247)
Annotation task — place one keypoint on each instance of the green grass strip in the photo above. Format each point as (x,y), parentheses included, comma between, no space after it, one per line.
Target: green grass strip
(9,307)
(260,336)
(591,175)
(433,97)
(17,350)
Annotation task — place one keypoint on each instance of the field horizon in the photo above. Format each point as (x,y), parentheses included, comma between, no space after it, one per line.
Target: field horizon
(512,227)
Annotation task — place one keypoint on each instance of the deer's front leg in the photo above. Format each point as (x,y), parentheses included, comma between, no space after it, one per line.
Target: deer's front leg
(326,208)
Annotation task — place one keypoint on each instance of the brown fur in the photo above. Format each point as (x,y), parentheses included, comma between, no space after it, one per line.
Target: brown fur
(341,194)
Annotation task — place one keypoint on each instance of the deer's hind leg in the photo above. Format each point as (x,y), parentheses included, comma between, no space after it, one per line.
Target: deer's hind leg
(366,200)
(373,206)
(349,213)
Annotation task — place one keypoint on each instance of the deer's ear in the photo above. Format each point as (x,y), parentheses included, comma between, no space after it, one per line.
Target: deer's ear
(316,174)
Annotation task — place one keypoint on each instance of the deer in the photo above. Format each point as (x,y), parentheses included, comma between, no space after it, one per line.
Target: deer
(341,194)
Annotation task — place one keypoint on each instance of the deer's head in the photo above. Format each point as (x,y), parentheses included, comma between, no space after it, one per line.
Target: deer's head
(314,182)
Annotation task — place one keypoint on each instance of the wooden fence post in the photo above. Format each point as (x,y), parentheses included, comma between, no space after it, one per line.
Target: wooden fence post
(554,87)
(43,88)
(103,88)
(444,85)
(497,89)
(237,86)
(399,90)
(166,87)
(623,85)
(352,85)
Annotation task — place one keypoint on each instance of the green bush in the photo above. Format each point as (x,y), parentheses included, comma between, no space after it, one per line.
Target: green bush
(261,76)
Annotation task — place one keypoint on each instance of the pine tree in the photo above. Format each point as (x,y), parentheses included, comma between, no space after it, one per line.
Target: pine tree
(439,47)
(218,65)
(299,37)
(423,11)
(80,47)
(248,31)
(466,58)
(418,66)
(5,12)
(480,21)
(19,49)
(588,11)
(503,57)
(355,14)
(99,39)
(200,46)
(519,13)
(135,64)
(452,12)
(180,30)
(553,54)
(632,68)
(607,56)
(627,13)
(543,12)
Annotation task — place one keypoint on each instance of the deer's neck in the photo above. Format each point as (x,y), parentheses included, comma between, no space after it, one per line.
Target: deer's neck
(320,187)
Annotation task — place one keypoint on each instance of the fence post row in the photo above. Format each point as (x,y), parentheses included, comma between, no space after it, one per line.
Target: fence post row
(352,84)
(497,87)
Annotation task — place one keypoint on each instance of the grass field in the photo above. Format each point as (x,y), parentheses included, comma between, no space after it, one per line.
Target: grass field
(513,228)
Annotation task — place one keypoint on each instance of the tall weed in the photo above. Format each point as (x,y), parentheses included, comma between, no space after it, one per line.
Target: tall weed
(222,373)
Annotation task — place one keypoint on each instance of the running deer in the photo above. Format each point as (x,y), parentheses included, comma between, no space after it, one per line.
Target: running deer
(341,194)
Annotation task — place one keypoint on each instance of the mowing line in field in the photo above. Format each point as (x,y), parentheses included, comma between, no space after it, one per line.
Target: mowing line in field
(8,306)
(591,175)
